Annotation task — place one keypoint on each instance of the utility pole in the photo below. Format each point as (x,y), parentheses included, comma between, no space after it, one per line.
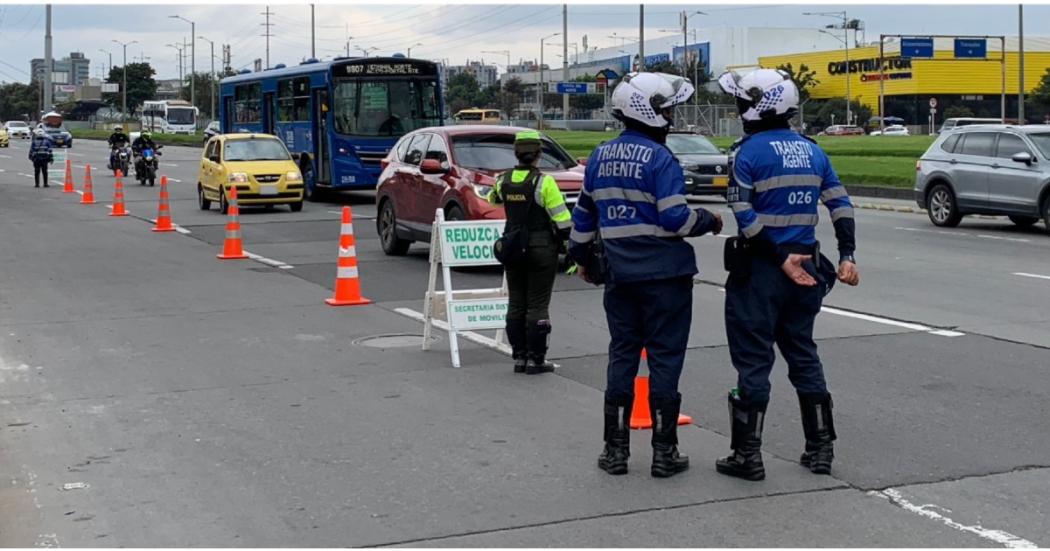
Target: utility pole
(47,100)
(539,93)
(226,67)
(267,34)
(348,38)
(313,36)
(565,61)
(214,77)
(193,57)
(1020,64)
(641,37)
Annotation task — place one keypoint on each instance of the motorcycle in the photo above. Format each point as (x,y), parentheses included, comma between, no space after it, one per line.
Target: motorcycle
(120,159)
(146,168)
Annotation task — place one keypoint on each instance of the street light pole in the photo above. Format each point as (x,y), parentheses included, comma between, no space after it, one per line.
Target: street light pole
(193,57)
(413,46)
(845,43)
(1020,64)
(124,88)
(565,62)
(214,77)
(539,123)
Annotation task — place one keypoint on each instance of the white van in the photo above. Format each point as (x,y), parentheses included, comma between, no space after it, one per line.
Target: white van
(953,123)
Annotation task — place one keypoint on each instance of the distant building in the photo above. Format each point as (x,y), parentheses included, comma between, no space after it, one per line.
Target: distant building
(73,70)
(485,74)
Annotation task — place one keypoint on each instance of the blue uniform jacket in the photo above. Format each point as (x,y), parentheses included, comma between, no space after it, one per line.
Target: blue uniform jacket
(777,179)
(39,149)
(634,197)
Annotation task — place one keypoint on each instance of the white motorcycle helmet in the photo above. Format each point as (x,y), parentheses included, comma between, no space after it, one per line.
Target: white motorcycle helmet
(762,95)
(643,97)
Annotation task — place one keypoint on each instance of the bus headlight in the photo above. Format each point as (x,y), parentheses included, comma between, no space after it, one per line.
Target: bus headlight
(238,178)
(293,176)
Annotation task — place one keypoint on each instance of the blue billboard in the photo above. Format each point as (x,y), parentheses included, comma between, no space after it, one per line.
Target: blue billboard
(700,51)
(971,48)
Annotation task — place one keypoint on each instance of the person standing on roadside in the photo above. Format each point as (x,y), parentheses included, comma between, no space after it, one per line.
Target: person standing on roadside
(538,222)
(40,155)
(633,208)
(777,276)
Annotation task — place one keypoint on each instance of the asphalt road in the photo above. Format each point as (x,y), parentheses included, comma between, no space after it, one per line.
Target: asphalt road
(152,395)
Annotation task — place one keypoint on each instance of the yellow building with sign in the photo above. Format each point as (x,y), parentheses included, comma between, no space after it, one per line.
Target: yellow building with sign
(909,83)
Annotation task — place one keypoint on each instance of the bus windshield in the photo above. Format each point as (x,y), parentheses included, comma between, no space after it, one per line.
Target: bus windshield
(180,115)
(384,107)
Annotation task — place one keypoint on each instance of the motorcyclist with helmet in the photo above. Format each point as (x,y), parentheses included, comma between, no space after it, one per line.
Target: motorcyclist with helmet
(117,140)
(144,141)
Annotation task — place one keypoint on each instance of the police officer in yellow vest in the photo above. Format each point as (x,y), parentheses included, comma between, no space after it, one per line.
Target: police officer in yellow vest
(534,203)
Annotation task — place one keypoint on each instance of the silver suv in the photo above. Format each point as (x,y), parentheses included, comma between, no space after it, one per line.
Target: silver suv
(986,169)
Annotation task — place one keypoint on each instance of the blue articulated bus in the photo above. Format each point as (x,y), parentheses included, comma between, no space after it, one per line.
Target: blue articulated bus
(345,114)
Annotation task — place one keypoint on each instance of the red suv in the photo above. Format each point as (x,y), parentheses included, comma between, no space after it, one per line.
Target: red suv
(453,168)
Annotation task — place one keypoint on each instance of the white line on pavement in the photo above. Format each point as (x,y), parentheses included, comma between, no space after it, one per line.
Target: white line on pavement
(77,154)
(176,180)
(998,536)
(1022,274)
(471,336)
(269,261)
(170,164)
(177,227)
(5,156)
(24,174)
(967,234)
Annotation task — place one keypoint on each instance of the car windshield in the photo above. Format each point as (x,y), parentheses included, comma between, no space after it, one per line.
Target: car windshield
(17,124)
(690,144)
(495,152)
(255,150)
(1042,141)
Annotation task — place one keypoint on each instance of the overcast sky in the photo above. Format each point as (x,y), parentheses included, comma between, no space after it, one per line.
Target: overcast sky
(449,32)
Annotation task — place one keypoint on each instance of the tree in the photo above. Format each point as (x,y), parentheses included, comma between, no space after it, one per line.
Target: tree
(957,111)
(463,92)
(804,79)
(511,95)
(203,83)
(141,86)
(665,66)
(19,101)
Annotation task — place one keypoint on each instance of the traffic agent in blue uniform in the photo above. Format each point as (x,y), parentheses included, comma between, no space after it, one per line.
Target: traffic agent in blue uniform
(777,276)
(629,226)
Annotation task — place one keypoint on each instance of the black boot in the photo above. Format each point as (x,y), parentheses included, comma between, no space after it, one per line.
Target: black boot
(613,459)
(666,459)
(537,340)
(746,441)
(518,343)
(820,432)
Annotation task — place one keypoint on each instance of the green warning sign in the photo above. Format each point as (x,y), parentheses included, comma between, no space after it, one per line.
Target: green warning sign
(469,243)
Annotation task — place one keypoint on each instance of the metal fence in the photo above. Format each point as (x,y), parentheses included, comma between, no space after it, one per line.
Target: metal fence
(714,120)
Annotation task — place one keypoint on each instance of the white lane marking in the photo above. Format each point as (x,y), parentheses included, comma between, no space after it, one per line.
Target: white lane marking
(998,536)
(170,164)
(2,170)
(177,227)
(967,234)
(24,174)
(77,154)
(1022,274)
(893,322)
(5,156)
(269,261)
(471,336)
(176,180)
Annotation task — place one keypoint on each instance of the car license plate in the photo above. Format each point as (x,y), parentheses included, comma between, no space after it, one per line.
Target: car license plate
(267,190)
(720,181)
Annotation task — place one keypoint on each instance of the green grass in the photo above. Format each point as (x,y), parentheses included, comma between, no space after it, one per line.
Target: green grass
(863,160)
(161,139)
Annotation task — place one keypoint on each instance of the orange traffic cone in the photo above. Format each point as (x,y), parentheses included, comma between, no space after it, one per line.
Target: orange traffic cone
(118,197)
(347,284)
(232,247)
(641,418)
(89,195)
(68,187)
(163,222)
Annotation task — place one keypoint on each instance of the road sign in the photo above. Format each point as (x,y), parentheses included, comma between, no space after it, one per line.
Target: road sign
(572,88)
(917,47)
(110,87)
(469,243)
(484,313)
(971,48)
(933,102)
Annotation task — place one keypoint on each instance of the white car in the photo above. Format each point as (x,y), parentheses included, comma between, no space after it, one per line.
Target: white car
(18,129)
(894,130)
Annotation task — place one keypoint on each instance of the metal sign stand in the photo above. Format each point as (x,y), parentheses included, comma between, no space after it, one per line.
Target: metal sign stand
(448,304)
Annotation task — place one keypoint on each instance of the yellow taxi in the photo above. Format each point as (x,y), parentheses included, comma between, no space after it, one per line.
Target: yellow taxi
(258,164)
(5,140)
